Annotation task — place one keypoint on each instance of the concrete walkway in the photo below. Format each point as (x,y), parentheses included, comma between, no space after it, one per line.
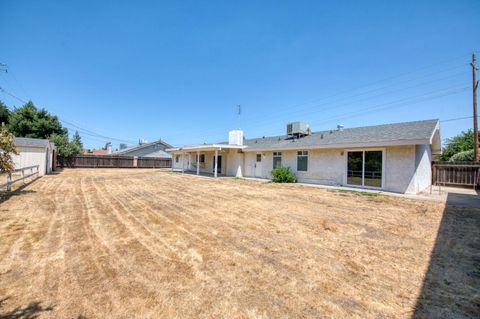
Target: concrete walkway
(451,195)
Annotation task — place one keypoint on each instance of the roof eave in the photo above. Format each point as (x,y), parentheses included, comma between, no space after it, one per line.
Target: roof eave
(344,145)
(205,147)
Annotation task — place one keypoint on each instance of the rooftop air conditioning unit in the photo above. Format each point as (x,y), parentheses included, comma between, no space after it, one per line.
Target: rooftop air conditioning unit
(297,128)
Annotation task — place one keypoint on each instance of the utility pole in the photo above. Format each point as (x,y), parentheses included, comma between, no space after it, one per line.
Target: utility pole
(475,116)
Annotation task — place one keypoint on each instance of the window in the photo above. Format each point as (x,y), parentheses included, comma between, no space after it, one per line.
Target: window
(277,159)
(364,168)
(202,158)
(177,158)
(302,161)
(259,157)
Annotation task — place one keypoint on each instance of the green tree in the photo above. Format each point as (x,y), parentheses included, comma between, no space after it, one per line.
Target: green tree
(465,156)
(7,148)
(4,113)
(66,147)
(460,143)
(28,121)
(76,145)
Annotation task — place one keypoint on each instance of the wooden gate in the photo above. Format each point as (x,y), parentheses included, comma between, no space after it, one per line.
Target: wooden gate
(456,173)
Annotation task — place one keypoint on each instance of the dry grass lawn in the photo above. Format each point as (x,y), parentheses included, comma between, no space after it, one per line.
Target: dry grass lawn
(125,243)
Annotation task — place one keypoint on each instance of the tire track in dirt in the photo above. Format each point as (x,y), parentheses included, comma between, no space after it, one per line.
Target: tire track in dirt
(148,275)
(23,244)
(191,259)
(52,270)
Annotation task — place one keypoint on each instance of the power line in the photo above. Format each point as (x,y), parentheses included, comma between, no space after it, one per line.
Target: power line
(457,119)
(12,95)
(89,132)
(333,105)
(84,131)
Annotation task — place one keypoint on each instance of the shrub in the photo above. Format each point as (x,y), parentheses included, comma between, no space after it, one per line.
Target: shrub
(283,175)
(465,156)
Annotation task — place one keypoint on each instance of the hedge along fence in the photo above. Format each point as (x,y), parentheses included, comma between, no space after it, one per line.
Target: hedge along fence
(112,161)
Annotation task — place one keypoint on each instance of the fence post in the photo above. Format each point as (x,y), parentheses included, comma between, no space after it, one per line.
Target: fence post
(9,182)
(22,174)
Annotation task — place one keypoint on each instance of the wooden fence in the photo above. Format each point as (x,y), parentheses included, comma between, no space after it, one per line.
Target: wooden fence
(456,173)
(154,162)
(112,161)
(20,174)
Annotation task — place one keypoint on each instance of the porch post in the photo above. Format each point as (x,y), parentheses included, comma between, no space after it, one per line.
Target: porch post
(183,162)
(216,163)
(198,163)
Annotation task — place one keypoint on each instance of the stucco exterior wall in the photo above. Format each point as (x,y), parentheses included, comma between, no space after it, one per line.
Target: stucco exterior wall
(400,169)
(234,164)
(406,168)
(327,166)
(423,160)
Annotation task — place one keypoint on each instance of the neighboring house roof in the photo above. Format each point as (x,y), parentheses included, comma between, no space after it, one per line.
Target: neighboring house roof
(418,132)
(32,142)
(142,150)
(95,152)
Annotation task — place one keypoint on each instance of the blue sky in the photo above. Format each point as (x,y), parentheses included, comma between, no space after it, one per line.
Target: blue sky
(177,70)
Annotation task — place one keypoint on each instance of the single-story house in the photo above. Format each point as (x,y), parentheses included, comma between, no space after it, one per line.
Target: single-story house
(153,149)
(391,157)
(35,151)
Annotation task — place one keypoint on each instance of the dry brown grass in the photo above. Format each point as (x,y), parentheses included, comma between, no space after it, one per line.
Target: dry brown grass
(154,244)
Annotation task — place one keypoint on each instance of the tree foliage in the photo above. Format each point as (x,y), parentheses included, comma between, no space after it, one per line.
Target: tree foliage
(28,121)
(4,113)
(460,143)
(7,148)
(465,156)
(66,147)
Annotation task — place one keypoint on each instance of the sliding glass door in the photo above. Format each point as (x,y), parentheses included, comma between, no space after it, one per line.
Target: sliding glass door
(365,168)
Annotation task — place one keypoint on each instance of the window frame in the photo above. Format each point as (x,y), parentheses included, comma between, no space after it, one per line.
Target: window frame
(177,158)
(201,159)
(276,155)
(363,150)
(302,154)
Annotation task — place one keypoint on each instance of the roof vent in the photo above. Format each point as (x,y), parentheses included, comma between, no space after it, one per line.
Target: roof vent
(340,127)
(297,129)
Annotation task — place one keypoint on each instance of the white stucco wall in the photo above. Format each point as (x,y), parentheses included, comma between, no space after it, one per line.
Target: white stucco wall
(423,174)
(406,168)
(327,166)
(234,164)
(30,156)
(400,169)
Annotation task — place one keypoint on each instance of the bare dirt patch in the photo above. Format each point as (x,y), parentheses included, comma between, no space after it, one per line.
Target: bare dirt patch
(98,243)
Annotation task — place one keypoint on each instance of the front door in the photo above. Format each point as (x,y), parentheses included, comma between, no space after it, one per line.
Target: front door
(219,164)
(258,165)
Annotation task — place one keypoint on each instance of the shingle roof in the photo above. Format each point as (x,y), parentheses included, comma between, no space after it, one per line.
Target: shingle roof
(35,142)
(367,135)
(138,147)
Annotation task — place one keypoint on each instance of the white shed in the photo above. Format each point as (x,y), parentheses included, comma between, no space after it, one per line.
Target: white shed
(34,151)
